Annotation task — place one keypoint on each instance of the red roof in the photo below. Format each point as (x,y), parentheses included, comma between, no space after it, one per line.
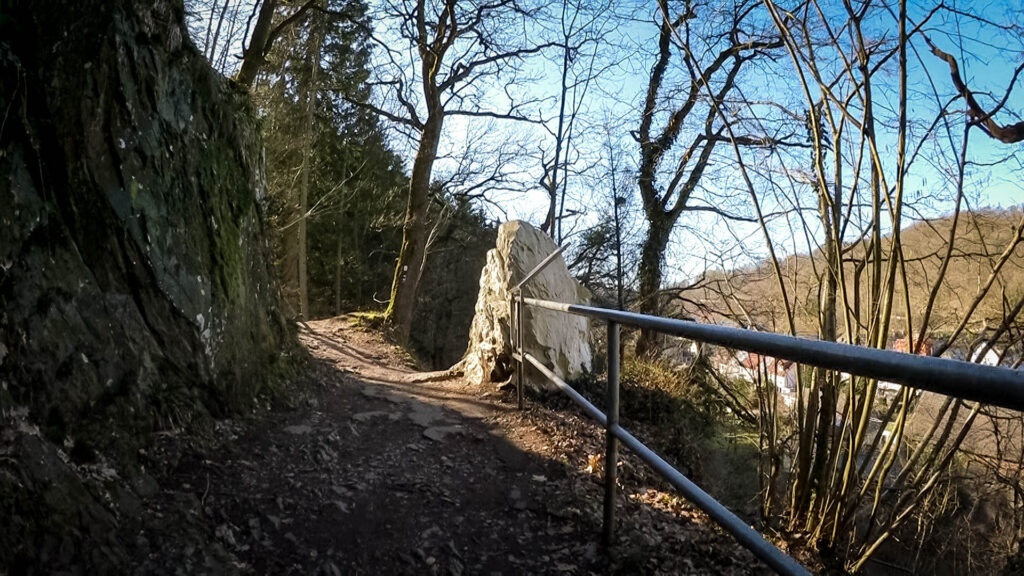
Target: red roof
(900,345)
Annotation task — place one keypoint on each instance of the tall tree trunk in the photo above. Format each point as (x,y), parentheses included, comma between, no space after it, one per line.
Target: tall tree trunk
(652,259)
(552,224)
(216,33)
(252,56)
(828,332)
(414,235)
(315,40)
(548,225)
(337,271)
(619,297)
(822,401)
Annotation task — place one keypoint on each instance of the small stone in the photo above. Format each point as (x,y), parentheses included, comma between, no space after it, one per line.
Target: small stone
(430,532)
(366,416)
(425,414)
(438,433)
(299,429)
(225,533)
(145,486)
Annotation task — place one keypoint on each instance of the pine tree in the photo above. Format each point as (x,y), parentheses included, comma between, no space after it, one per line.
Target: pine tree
(345,232)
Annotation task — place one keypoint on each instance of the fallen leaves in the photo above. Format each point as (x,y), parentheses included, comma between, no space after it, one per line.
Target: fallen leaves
(362,477)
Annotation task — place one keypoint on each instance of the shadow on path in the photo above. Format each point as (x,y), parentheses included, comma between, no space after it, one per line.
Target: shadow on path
(369,474)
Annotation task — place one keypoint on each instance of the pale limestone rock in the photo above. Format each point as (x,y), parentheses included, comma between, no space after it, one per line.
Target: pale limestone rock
(560,340)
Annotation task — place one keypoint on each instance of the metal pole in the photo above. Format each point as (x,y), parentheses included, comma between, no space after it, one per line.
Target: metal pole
(739,528)
(746,535)
(539,267)
(611,452)
(519,346)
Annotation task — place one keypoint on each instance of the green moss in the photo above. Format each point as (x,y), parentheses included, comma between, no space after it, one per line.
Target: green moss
(133,190)
(368,320)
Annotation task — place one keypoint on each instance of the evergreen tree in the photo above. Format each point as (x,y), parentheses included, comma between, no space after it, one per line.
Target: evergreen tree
(352,211)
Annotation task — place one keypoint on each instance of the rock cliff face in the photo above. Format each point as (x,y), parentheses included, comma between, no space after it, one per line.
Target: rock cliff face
(134,290)
(561,341)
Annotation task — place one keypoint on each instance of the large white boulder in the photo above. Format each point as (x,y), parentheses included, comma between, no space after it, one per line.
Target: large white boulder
(560,340)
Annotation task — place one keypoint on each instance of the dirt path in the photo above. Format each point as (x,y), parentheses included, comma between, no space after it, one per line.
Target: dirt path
(378,469)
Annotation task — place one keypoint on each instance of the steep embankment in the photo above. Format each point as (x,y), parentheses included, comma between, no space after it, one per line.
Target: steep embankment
(134,294)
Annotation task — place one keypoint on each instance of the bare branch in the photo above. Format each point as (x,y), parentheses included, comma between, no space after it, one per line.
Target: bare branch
(1010,134)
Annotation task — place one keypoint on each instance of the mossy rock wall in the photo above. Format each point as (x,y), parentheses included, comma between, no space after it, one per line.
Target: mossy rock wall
(134,288)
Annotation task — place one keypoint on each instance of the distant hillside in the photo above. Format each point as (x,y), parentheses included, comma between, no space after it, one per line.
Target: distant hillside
(751,295)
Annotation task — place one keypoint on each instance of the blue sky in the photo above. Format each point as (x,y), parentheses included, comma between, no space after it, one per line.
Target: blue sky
(988,55)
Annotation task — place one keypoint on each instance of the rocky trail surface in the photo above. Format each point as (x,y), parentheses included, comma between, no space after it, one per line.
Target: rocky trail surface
(374,468)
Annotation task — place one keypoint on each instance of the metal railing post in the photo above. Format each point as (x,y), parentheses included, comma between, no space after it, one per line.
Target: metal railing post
(611,453)
(519,345)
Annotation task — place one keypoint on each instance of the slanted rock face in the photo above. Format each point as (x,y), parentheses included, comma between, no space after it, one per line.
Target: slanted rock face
(561,341)
(134,289)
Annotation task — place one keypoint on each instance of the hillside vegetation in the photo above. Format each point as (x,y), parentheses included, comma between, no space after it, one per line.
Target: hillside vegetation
(752,295)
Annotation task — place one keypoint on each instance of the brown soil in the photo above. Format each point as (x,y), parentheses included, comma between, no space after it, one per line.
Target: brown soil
(374,468)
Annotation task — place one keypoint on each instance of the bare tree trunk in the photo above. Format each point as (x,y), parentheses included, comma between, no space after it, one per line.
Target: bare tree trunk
(650,274)
(551,224)
(664,202)
(252,57)
(209,28)
(548,225)
(337,272)
(216,33)
(315,40)
(439,81)
(229,38)
(619,298)
(414,236)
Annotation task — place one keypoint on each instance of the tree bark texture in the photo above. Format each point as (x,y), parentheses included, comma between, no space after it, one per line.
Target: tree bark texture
(256,51)
(134,288)
(414,234)
(315,42)
(652,258)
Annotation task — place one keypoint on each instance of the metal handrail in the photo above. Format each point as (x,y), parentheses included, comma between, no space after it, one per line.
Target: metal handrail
(537,269)
(747,536)
(517,313)
(994,385)
(987,384)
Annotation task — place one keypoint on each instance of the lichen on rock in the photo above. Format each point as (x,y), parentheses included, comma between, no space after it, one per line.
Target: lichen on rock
(559,340)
